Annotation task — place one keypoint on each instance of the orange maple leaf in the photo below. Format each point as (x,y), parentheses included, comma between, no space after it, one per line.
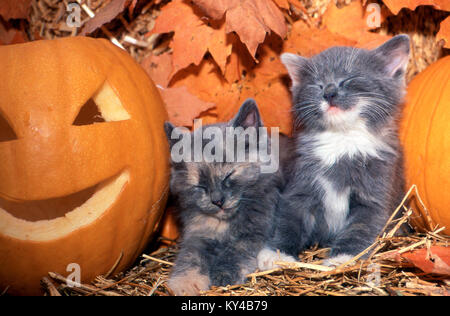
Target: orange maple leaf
(436,259)
(159,68)
(308,41)
(351,22)
(250,19)
(193,36)
(182,106)
(266,83)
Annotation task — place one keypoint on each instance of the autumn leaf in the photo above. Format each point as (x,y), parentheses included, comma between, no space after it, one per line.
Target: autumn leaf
(266,82)
(250,19)
(433,260)
(108,13)
(444,32)
(308,41)
(15,9)
(159,68)
(351,22)
(193,37)
(396,5)
(207,83)
(182,106)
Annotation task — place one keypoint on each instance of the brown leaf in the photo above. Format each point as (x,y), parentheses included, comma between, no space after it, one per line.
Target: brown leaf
(15,9)
(250,19)
(433,260)
(193,36)
(266,83)
(444,32)
(182,106)
(396,5)
(308,41)
(159,68)
(108,13)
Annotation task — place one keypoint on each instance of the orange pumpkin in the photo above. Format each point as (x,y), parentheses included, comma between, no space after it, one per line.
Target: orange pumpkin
(425,133)
(83,160)
(169,227)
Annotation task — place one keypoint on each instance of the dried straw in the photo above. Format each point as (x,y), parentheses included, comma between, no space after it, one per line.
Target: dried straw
(380,274)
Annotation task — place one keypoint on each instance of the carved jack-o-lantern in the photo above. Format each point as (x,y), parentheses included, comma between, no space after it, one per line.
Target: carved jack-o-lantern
(83,160)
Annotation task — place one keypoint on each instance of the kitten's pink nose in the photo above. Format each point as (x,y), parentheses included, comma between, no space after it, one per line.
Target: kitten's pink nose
(217,198)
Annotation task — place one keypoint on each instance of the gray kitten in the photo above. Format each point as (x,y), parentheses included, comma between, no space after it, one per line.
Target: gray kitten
(348,175)
(226,211)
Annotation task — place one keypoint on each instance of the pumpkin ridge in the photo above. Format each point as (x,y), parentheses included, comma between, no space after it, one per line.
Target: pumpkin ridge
(413,110)
(435,109)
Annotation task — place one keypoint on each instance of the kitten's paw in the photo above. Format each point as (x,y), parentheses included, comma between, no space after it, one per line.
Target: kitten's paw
(267,258)
(337,260)
(189,283)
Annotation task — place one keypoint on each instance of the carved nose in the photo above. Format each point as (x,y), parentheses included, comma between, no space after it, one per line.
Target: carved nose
(330,92)
(217,198)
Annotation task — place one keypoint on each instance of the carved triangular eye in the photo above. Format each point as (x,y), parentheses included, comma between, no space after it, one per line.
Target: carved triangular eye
(89,114)
(104,106)
(6,131)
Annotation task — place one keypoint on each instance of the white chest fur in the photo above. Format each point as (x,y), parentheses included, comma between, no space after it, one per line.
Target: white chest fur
(332,145)
(336,205)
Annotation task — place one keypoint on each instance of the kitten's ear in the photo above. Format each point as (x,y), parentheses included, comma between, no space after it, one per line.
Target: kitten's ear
(395,54)
(248,115)
(293,64)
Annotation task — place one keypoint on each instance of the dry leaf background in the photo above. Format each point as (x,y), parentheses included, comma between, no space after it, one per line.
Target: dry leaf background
(227,51)
(221,52)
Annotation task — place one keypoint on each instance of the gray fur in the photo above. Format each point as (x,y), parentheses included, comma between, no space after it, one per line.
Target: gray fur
(215,245)
(348,174)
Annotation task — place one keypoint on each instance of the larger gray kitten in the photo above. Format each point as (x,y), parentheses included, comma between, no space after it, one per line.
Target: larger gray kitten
(348,176)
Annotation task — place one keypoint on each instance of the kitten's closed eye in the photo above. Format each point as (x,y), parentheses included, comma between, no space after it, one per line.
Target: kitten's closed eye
(343,83)
(227,181)
(201,188)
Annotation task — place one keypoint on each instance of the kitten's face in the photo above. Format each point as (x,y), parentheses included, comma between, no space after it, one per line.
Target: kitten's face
(214,189)
(217,188)
(343,86)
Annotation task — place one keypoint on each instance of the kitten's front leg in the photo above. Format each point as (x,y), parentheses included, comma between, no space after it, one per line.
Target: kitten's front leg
(293,230)
(365,223)
(190,274)
(234,262)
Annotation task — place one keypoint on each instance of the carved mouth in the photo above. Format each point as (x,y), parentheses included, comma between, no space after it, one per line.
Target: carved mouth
(53,218)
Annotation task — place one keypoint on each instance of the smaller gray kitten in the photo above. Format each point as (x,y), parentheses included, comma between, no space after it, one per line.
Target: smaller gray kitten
(226,211)
(349,170)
